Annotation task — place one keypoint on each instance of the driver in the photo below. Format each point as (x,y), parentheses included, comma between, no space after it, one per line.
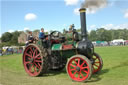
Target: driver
(41,34)
(71,28)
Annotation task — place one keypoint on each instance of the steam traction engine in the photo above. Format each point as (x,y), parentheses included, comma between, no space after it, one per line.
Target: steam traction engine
(57,51)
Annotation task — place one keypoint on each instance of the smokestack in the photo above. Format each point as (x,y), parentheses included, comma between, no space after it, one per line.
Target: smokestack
(83,23)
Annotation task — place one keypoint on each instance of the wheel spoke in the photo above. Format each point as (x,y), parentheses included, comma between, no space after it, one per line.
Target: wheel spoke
(31,68)
(37,55)
(72,65)
(28,62)
(31,49)
(81,74)
(37,66)
(96,65)
(74,73)
(34,52)
(73,69)
(78,62)
(84,67)
(75,62)
(38,61)
(83,63)
(97,62)
(78,75)
(35,69)
(85,71)
(28,55)
(38,58)
(29,58)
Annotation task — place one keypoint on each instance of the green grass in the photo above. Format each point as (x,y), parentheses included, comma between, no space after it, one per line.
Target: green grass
(114,72)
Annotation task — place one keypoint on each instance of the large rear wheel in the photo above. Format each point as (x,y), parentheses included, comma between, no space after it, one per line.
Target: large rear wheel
(79,68)
(35,60)
(98,63)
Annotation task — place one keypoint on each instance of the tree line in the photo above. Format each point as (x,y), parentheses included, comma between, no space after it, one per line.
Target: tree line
(9,39)
(100,34)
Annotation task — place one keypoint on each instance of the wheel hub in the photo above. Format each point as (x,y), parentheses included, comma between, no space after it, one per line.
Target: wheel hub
(32,60)
(78,68)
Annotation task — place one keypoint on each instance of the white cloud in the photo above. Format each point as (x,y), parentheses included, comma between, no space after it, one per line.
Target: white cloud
(108,26)
(111,26)
(0,35)
(30,16)
(26,28)
(71,2)
(126,14)
(10,31)
(93,26)
(122,26)
(76,11)
(19,30)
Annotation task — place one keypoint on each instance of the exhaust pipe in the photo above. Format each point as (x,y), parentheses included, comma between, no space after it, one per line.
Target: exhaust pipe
(83,24)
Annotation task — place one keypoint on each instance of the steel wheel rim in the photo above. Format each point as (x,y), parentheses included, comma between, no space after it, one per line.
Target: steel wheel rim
(73,69)
(97,64)
(32,61)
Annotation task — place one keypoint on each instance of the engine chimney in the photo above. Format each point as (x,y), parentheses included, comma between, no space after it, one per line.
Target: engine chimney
(83,23)
(85,46)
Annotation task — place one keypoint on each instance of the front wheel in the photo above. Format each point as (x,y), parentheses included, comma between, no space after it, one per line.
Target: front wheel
(79,68)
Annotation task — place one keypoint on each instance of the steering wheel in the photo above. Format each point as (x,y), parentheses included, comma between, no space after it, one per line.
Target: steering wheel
(55,35)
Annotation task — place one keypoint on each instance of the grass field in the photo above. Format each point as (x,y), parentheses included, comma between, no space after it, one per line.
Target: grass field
(114,72)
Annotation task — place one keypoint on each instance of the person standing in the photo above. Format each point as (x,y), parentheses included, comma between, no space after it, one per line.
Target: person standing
(41,34)
(42,38)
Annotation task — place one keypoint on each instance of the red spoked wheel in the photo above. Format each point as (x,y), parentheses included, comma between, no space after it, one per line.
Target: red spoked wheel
(79,68)
(34,61)
(98,63)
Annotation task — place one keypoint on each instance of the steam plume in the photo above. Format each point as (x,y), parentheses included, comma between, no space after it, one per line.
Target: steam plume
(93,5)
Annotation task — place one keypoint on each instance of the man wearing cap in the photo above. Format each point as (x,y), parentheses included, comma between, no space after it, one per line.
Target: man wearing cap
(70,29)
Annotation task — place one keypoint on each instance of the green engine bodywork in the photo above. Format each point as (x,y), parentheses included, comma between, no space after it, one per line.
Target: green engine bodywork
(59,47)
(66,53)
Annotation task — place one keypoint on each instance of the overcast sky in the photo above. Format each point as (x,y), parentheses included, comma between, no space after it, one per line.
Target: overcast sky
(59,14)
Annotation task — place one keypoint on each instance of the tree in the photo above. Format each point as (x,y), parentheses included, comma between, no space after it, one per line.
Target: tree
(93,35)
(36,30)
(14,39)
(6,37)
(64,31)
(100,34)
(78,30)
(103,34)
